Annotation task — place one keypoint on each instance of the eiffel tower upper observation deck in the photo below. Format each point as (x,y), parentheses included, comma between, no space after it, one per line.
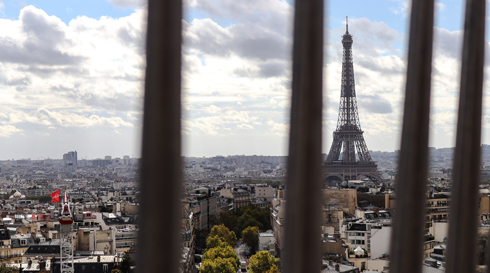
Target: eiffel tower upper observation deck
(342,161)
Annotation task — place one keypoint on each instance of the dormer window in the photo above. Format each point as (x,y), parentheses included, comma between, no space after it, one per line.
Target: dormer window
(23,242)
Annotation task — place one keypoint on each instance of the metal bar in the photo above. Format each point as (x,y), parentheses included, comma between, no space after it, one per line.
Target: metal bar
(461,253)
(408,226)
(161,167)
(304,180)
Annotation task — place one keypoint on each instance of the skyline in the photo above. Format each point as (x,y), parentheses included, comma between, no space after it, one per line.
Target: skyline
(72,75)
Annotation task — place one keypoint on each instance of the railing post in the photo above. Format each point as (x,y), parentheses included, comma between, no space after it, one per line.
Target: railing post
(161,166)
(304,179)
(411,182)
(461,252)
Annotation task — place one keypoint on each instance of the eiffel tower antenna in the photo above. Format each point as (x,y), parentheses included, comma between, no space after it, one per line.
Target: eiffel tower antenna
(346,24)
(349,158)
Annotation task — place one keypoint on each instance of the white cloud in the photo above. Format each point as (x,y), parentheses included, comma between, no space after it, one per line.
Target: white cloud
(213,109)
(278,128)
(245,126)
(92,69)
(8,130)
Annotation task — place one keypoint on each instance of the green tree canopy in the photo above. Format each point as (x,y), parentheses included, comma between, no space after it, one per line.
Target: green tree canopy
(247,220)
(250,237)
(225,252)
(274,269)
(262,215)
(262,262)
(224,234)
(217,266)
(5,268)
(126,263)
(229,219)
(214,241)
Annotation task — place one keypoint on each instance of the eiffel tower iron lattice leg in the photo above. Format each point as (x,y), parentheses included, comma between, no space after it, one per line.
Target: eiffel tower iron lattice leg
(349,158)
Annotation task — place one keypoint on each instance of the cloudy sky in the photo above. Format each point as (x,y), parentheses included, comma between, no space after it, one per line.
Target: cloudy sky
(72,75)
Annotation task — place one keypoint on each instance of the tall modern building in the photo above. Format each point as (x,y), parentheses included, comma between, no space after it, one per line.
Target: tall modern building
(349,157)
(70,160)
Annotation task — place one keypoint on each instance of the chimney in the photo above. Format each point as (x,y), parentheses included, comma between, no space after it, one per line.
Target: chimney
(329,262)
(337,267)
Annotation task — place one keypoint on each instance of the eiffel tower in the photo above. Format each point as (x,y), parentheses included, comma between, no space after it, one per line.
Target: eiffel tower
(342,161)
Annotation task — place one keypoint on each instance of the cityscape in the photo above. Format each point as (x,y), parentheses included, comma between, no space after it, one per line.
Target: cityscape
(70,214)
(74,78)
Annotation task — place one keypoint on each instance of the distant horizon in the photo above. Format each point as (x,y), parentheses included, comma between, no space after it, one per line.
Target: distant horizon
(203,156)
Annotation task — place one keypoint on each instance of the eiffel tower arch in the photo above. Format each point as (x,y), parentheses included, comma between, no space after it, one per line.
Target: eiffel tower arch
(349,158)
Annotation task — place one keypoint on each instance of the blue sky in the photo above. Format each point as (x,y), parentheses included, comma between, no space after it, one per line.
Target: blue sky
(72,75)
(67,10)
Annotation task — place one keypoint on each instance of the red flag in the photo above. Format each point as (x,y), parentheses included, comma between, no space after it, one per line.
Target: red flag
(56,196)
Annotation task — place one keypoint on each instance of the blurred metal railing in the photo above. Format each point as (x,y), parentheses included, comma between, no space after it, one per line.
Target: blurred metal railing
(304,178)
(406,247)
(161,166)
(461,252)
(408,227)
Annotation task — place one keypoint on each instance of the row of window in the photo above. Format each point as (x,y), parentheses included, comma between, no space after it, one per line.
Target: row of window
(356,242)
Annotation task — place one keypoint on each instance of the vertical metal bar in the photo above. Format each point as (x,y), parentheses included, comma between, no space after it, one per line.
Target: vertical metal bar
(161,167)
(302,234)
(408,226)
(461,254)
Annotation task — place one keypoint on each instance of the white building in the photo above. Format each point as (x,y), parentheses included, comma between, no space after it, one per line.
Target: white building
(267,242)
(264,192)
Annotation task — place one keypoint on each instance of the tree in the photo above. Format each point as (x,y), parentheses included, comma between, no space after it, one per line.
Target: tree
(273,269)
(229,219)
(250,237)
(126,263)
(5,268)
(213,241)
(247,220)
(260,214)
(224,234)
(104,209)
(217,266)
(262,262)
(200,239)
(213,220)
(225,252)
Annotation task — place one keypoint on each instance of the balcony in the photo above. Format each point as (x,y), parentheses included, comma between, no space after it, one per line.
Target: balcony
(126,237)
(124,244)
